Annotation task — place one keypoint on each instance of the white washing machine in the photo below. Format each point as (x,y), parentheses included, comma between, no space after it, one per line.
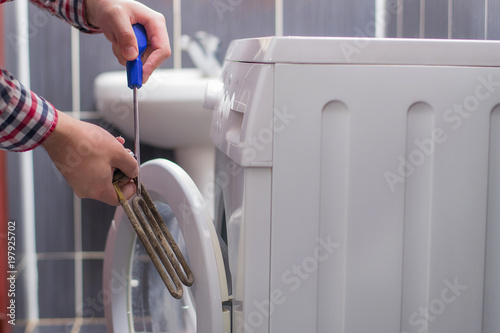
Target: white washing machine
(357,187)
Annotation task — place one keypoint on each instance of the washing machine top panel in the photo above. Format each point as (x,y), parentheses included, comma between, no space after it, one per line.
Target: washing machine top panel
(383,51)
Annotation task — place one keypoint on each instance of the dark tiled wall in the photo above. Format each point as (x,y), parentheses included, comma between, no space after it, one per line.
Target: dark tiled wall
(237,19)
(56,290)
(92,297)
(53,206)
(436,22)
(493,24)
(328,18)
(56,236)
(50,47)
(468,19)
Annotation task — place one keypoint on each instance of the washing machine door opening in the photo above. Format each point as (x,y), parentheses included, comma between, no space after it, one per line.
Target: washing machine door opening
(137,299)
(152,308)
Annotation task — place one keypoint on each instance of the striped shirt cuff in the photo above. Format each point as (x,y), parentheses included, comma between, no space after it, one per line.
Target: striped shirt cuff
(26,119)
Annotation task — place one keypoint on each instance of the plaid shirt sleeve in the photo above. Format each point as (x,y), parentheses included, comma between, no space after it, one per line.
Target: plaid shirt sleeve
(72,11)
(26,119)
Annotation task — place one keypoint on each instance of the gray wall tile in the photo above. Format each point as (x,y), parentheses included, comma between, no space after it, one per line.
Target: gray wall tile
(393,8)
(56,292)
(436,19)
(493,21)
(93,298)
(9,25)
(50,57)
(329,18)
(93,329)
(19,328)
(53,207)
(96,56)
(411,19)
(96,219)
(228,20)
(468,19)
(53,329)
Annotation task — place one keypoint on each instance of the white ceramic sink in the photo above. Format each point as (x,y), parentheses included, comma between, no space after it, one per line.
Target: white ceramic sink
(171,115)
(170,107)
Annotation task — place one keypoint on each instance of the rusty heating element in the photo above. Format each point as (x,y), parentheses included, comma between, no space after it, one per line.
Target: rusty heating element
(156,238)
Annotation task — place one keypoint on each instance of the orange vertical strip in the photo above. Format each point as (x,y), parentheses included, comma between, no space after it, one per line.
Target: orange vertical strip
(4,326)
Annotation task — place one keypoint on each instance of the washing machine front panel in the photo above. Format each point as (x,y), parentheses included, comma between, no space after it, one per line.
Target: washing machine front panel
(380,199)
(169,184)
(380,178)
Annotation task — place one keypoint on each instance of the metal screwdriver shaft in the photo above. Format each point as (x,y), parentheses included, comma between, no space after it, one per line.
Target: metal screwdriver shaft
(134,78)
(137,146)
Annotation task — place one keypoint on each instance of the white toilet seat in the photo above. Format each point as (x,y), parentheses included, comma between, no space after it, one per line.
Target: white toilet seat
(167,182)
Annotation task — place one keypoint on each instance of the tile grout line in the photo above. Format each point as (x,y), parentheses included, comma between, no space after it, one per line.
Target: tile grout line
(399,18)
(30,328)
(77,202)
(77,325)
(75,72)
(177,34)
(486,5)
(421,32)
(91,255)
(450,19)
(44,322)
(278,12)
(27,170)
(380,18)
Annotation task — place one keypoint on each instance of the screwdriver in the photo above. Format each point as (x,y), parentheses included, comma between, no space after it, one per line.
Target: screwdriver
(134,80)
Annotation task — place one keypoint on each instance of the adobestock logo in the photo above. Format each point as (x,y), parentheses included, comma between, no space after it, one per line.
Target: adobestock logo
(37,21)
(364,36)
(425,315)
(223,6)
(293,278)
(264,137)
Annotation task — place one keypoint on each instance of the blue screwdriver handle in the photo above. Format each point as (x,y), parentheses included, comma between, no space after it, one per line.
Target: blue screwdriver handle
(134,67)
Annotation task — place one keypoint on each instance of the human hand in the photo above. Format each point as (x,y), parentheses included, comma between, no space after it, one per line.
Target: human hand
(87,155)
(115,19)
